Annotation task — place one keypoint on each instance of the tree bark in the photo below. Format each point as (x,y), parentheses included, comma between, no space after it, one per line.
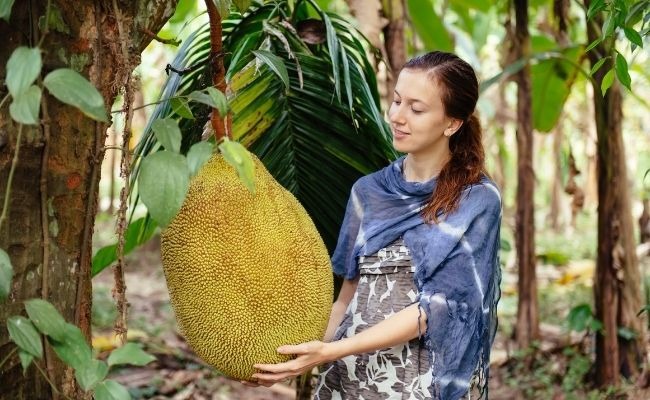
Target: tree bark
(51,252)
(617,293)
(527,328)
(395,45)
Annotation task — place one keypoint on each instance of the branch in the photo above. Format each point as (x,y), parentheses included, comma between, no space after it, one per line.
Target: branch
(14,162)
(218,71)
(173,42)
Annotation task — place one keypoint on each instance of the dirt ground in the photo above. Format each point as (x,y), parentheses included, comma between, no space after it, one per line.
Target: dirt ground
(178,374)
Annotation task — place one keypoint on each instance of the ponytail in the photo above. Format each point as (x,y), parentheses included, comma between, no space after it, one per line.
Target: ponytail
(466,166)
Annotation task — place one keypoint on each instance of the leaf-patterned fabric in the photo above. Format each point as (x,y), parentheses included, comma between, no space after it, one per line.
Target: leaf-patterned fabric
(457,272)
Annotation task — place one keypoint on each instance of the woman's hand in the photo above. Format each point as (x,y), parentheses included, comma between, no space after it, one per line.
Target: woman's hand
(309,355)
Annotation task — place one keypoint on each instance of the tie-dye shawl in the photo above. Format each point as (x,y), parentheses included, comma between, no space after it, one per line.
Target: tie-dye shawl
(457,269)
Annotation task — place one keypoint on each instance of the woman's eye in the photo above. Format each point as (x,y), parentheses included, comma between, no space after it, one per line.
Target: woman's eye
(416,111)
(397,102)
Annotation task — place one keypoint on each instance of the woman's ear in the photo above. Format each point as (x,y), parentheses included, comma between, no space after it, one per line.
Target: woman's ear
(453,126)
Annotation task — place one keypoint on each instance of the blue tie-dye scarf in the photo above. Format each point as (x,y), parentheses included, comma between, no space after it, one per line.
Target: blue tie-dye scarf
(456,260)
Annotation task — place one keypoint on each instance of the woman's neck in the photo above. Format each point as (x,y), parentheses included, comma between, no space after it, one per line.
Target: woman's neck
(421,168)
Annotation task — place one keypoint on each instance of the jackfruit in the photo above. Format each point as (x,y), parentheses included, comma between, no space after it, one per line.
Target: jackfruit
(246,272)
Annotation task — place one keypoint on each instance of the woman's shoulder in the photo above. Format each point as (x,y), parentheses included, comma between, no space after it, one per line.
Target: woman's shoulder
(483,194)
(377,177)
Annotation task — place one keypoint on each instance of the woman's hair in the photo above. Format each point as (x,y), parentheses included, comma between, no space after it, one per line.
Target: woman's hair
(459,87)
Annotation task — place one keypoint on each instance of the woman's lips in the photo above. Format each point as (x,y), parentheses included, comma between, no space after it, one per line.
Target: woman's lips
(397,134)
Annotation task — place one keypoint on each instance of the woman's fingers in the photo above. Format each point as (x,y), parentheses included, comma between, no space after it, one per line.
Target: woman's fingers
(282,367)
(249,383)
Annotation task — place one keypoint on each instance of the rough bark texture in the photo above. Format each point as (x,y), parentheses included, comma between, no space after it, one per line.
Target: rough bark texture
(527,328)
(88,42)
(617,293)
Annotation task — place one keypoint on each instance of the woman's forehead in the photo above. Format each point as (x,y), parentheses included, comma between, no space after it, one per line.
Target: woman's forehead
(417,85)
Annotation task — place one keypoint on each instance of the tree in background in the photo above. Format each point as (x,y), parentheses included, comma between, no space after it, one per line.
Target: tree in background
(49,221)
(617,291)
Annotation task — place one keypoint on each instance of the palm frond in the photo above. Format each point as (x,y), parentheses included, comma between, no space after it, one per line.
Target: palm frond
(317,137)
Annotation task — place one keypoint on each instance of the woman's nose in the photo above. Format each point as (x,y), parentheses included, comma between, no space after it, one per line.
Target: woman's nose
(395,114)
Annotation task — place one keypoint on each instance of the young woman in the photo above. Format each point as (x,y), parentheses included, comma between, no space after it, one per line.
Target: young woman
(416,316)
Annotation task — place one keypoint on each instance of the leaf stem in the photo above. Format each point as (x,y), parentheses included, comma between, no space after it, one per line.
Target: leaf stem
(2,102)
(4,360)
(148,104)
(47,23)
(14,162)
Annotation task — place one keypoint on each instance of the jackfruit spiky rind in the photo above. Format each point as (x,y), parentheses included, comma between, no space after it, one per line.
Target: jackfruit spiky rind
(246,272)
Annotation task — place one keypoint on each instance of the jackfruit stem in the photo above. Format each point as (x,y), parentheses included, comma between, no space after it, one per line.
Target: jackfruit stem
(221,126)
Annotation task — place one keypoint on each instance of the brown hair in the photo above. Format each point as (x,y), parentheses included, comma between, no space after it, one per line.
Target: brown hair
(459,87)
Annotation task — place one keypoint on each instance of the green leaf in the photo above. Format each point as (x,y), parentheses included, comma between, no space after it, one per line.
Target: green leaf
(5,9)
(91,374)
(621,71)
(23,67)
(593,44)
(6,274)
(219,99)
(72,88)
(181,108)
(597,66)
(138,232)
(198,155)
(111,390)
(73,349)
(224,7)
(551,85)
(237,156)
(24,334)
(429,26)
(579,317)
(595,7)
(609,26)
(608,79)
(130,353)
(242,5)
(163,183)
(46,318)
(26,106)
(633,36)
(480,5)
(213,98)
(626,333)
(168,134)
(645,308)
(275,63)
(25,359)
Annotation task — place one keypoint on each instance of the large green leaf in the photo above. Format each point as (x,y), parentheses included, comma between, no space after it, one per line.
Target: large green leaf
(91,374)
(429,26)
(23,68)
(72,349)
(26,105)
(46,318)
(5,9)
(6,274)
(70,87)
(168,134)
(111,390)
(163,183)
(23,333)
(129,353)
(551,85)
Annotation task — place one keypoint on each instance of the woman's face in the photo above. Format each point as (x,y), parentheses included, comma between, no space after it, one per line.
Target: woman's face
(417,116)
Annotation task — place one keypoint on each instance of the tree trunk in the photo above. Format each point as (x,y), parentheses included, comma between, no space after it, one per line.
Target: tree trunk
(53,199)
(395,45)
(617,293)
(527,328)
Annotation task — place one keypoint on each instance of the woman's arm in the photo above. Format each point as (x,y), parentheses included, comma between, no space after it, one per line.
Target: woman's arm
(399,328)
(340,306)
